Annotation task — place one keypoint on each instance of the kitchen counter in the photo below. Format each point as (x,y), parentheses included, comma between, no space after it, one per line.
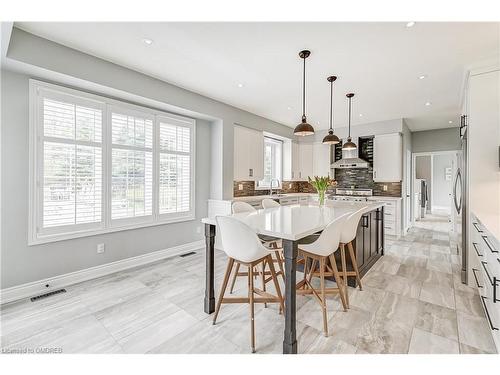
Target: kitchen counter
(383,197)
(253,198)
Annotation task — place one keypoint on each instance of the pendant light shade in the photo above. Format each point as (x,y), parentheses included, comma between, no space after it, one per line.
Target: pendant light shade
(349,145)
(330,138)
(304,128)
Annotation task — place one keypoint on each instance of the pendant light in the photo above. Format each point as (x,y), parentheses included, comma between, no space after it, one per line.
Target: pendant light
(349,145)
(304,128)
(330,138)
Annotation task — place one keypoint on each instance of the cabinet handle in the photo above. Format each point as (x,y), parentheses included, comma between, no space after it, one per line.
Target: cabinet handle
(477,251)
(477,227)
(495,284)
(487,242)
(483,263)
(292,174)
(375,174)
(300,174)
(250,172)
(364,224)
(493,328)
(475,277)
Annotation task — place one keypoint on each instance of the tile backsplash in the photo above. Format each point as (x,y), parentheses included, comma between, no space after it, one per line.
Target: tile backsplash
(361,178)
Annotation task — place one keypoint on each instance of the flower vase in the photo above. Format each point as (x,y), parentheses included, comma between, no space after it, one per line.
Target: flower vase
(321,198)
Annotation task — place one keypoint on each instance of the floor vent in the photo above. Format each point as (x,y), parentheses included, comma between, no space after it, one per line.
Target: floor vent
(187,254)
(41,296)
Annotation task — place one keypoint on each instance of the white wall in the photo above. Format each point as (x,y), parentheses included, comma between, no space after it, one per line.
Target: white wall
(436,140)
(423,170)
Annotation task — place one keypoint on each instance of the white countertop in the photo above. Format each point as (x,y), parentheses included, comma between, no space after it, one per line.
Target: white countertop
(375,197)
(295,222)
(253,198)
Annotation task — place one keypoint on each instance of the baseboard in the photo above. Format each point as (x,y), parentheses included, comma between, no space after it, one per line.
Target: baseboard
(38,287)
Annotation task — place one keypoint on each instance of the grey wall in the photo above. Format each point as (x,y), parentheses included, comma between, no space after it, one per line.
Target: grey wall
(441,188)
(59,64)
(423,170)
(436,140)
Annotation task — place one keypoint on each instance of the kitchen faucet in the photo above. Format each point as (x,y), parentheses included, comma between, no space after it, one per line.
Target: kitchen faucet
(271,185)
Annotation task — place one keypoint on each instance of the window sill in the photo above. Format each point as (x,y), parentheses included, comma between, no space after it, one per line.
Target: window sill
(95,232)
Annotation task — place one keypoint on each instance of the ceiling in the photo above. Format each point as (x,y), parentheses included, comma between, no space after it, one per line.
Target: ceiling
(380,62)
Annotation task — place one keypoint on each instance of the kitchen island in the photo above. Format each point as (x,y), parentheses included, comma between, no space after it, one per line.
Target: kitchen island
(294,224)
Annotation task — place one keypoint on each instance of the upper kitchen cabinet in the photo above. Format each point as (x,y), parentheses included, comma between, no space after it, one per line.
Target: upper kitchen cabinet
(298,161)
(321,159)
(388,158)
(248,154)
(305,161)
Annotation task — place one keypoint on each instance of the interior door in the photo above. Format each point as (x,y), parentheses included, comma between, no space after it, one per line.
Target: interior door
(407,200)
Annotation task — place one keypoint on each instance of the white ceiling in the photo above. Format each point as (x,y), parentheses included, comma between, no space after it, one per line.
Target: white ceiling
(380,62)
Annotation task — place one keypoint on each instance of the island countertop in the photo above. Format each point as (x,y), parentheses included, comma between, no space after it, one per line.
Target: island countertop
(295,222)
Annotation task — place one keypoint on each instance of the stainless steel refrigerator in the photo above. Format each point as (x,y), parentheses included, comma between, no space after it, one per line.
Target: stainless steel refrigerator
(460,200)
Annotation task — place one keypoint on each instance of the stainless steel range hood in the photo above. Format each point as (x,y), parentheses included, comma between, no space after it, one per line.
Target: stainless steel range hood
(350,160)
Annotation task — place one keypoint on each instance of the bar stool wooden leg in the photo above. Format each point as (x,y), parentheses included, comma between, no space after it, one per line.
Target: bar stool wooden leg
(229,268)
(280,264)
(276,283)
(234,278)
(250,296)
(263,278)
(354,264)
(344,272)
(323,296)
(339,281)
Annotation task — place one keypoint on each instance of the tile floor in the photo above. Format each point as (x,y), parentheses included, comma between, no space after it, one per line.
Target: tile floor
(412,302)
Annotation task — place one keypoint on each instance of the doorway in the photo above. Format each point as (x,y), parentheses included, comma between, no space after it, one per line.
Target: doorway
(432,183)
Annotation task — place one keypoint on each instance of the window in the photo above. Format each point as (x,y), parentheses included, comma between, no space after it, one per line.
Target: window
(100,165)
(273,163)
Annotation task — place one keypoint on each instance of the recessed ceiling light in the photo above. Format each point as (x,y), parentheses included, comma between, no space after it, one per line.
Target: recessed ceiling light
(450,122)
(423,76)
(147,41)
(360,115)
(428,104)
(410,24)
(289,108)
(240,85)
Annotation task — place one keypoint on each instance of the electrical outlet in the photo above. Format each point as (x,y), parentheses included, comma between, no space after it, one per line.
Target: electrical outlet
(385,187)
(240,186)
(100,248)
(289,186)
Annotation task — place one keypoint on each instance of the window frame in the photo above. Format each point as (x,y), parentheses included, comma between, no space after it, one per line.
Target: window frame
(259,185)
(38,235)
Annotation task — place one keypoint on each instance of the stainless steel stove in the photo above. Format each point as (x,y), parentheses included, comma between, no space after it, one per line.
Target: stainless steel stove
(352,195)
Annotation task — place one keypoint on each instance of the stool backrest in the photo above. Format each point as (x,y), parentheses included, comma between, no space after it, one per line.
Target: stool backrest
(239,241)
(269,203)
(328,241)
(242,207)
(351,226)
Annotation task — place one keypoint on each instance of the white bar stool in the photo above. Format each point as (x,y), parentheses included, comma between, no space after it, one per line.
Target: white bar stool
(272,244)
(243,247)
(347,236)
(269,203)
(320,252)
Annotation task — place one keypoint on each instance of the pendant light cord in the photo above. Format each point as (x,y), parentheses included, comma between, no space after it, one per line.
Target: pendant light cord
(304,90)
(331,105)
(349,117)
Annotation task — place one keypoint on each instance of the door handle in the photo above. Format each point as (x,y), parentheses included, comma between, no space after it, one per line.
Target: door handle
(458,177)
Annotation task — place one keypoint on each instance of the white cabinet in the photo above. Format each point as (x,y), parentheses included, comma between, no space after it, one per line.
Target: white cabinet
(392,214)
(305,161)
(248,154)
(388,158)
(321,159)
(295,161)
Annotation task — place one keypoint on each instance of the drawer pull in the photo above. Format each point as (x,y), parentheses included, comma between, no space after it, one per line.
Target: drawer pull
(493,328)
(477,227)
(495,285)
(490,246)
(475,277)
(486,270)
(477,251)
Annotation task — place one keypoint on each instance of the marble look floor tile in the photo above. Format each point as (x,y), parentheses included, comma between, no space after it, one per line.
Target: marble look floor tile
(440,248)
(368,299)
(436,256)
(474,331)
(437,320)
(423,342)
(415,261)
(387,266)
(383,336)
(469,303)
(403,286)
(437,294)
(466,349)
(330,345)
(397,308)
(413,273)
(155,334)
(133,315)
(444,267)
(312,315)
(439,278)
(377,280)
